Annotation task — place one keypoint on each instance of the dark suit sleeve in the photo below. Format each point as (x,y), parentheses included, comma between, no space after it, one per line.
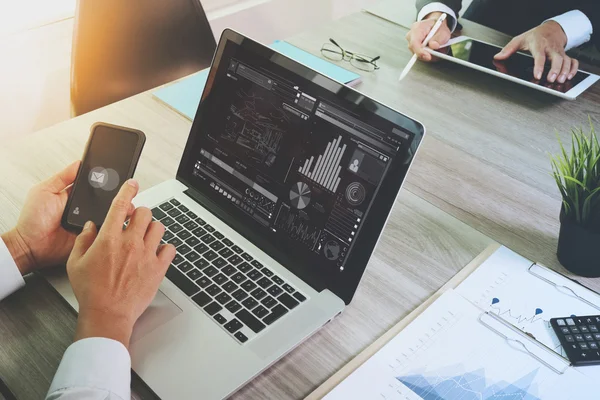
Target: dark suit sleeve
(455,5)
(591,8)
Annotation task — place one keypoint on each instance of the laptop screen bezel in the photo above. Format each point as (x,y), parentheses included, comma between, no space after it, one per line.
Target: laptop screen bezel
(346,285)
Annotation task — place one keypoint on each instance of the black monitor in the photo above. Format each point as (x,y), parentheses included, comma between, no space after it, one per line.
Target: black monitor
(304,167)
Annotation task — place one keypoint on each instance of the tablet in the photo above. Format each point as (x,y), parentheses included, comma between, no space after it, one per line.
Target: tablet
(518,68)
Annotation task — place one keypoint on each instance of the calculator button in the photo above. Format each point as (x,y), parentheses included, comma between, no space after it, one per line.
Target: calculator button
(584,329)
(570,321)
(579,338)
(574,329)
(569,338)
(593,328)
(560,322)
(588,337)
(565,330)
(583,346)
(593,345)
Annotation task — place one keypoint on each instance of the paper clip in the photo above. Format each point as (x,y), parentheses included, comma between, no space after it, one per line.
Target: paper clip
(559,287)
(528,339)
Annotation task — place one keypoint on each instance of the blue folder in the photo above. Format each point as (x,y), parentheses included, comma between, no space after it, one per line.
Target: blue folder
(184,96)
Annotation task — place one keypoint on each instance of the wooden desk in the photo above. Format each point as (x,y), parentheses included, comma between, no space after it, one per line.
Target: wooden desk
(482,174)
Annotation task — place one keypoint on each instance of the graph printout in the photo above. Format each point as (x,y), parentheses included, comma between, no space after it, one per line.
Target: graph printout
(447,354)
(527,297)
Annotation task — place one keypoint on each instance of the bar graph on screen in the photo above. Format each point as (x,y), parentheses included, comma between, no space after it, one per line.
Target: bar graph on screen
(326,170)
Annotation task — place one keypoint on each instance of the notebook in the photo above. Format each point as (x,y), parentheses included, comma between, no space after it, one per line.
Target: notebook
(184,96)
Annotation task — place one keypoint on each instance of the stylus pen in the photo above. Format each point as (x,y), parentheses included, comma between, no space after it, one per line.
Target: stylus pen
(433,31)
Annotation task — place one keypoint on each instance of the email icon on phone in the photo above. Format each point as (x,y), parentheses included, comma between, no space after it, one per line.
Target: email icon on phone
(98,177)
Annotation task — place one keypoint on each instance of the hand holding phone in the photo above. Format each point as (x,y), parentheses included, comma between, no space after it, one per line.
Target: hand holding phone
(110,159)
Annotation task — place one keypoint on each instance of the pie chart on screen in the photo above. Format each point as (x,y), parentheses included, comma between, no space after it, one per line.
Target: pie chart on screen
(300,195)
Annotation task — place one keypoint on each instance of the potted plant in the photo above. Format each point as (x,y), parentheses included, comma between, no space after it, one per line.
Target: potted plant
(577,175)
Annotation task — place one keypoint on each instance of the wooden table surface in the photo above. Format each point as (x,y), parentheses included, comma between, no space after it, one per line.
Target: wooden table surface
(482,175)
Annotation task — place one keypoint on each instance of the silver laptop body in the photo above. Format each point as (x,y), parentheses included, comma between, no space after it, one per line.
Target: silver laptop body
(285,185)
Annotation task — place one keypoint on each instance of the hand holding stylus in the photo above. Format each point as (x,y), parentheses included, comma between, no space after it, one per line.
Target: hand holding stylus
(421,29)
(432,33)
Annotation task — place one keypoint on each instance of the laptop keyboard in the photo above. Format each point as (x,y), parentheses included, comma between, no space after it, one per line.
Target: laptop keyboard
(228,284)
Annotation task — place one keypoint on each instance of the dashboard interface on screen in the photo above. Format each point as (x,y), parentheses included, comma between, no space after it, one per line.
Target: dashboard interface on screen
(301,170)
(518,65)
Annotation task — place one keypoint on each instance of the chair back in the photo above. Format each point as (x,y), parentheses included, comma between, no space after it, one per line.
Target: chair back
(124,47)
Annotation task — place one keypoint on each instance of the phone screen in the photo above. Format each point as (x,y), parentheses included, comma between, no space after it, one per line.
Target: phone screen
(518,65)
(108,163)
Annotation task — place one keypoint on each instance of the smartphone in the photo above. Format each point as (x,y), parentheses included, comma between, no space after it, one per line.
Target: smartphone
(110,158)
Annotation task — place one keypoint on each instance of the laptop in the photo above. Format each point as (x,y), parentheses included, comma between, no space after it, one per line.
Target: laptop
(283,190)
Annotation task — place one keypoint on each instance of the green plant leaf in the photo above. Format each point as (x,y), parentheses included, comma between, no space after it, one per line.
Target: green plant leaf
(577,174)
(575,181)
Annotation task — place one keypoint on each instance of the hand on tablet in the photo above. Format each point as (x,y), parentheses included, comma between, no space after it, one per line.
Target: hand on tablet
(546,41)
(419,31)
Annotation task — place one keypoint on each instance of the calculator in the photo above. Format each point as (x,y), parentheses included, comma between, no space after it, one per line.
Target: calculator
(580,337)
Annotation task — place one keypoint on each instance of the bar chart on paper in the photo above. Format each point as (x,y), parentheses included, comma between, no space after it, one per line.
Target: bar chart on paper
(326,170)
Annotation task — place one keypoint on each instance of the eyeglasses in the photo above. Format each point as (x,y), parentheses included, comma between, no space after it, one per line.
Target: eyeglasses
(335,52)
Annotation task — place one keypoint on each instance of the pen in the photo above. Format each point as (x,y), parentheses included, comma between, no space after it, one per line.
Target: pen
(433,31)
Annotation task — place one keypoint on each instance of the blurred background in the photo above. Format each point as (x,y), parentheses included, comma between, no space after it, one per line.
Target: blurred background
(36,39)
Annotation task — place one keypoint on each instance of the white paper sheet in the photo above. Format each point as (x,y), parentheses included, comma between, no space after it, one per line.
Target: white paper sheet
(504,285)
(448,354)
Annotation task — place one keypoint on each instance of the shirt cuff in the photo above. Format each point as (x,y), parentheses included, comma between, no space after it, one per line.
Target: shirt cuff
(577,27)
(10,276)
(439,7)
(95,363)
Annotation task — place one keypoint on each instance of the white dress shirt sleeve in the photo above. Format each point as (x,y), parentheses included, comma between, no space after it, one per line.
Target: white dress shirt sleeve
(439,7)
(93,369)
(577,27)
(10,276)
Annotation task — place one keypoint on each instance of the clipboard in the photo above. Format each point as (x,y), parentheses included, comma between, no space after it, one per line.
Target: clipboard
(536,349)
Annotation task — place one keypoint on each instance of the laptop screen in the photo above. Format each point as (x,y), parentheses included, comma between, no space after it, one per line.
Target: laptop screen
(298,166)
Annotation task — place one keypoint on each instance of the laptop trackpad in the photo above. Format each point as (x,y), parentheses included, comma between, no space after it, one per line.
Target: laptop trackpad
(161,310)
